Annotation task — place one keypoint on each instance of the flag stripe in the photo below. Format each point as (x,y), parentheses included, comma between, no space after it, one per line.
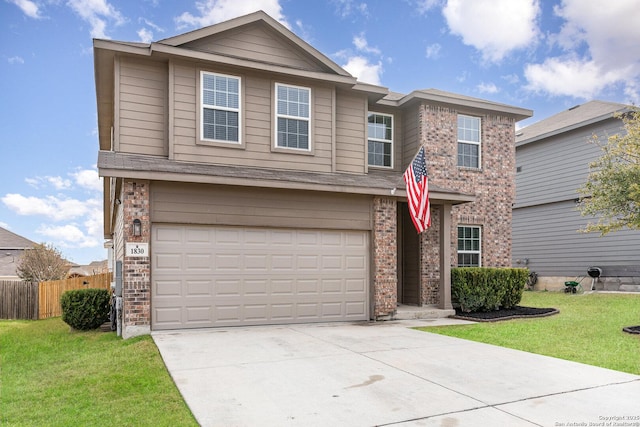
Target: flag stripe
(418,192)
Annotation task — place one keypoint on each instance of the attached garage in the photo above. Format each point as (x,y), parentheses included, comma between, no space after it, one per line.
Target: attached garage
(207,276)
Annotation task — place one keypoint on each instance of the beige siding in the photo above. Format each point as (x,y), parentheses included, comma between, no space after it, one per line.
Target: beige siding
(351,134)
(411,137)
(257,43)
(142,93)
(257,207)
(257,133)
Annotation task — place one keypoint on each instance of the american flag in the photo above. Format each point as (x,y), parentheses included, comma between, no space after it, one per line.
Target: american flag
(418,192)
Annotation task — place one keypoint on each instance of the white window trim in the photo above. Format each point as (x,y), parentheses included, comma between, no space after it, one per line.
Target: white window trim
(215,107)
(284,116)
(478,142)
(479,251)
(390,141)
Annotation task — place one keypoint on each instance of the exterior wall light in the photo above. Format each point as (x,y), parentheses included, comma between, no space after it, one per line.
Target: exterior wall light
(137,227)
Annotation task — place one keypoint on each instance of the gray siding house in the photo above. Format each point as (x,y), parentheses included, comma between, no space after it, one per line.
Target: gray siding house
(251,180)
(552,160)
(12,246)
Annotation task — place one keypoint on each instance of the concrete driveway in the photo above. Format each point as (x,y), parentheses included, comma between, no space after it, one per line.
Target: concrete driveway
(372,374)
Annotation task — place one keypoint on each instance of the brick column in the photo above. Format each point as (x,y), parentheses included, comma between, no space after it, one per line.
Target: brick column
(136,271)
(385,257)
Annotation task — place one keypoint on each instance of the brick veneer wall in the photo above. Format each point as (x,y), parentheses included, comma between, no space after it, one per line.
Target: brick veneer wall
(136,272)
(385,259)
(493,184)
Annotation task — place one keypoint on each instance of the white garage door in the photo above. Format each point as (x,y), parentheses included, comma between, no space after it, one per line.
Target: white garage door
(229,276)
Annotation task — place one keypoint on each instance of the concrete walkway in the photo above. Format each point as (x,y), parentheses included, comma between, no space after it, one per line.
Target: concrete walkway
(385,374)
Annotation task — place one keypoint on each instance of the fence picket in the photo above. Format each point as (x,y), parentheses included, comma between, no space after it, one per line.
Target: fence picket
(49,293)
(18,300)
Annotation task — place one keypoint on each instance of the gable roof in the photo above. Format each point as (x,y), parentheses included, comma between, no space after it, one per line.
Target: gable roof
(10,240)
(185,40)
(573,118)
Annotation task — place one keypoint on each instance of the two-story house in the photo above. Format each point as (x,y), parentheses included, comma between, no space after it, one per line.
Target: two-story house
(553,157)
(248,179)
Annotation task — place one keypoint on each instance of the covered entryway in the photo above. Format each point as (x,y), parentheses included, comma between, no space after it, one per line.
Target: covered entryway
(408,258)
(208,276)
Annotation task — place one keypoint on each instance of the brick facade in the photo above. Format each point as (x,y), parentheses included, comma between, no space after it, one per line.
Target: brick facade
(136,272)
(385,256)
(493,184)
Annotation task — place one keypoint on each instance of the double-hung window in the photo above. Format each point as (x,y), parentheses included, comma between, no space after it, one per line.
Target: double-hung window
(380,140)
(469,141)
(293,117)
(220,107)
(469,244)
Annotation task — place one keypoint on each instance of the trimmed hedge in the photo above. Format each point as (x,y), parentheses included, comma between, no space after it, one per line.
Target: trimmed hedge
(487,289)
(85,309)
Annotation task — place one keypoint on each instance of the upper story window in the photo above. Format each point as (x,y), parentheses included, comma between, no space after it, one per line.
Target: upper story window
(293,117)
(469,244)
(469,141)
(220,109)
(380,140)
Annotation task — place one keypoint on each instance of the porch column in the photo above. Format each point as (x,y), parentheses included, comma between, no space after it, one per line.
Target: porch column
(444,290)
(385,257)
(136,269)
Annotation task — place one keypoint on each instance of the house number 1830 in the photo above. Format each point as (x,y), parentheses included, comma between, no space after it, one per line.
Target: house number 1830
(137,249)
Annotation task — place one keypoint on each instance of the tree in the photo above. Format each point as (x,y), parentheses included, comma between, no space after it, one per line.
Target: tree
(42,262)
(612,190)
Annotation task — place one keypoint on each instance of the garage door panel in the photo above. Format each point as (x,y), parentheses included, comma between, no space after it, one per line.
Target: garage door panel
(228,276)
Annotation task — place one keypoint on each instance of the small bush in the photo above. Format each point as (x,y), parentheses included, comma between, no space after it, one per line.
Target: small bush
(85,309)
(487,289)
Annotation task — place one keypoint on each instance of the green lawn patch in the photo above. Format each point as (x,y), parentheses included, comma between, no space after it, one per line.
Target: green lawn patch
(588,329)
(54,377)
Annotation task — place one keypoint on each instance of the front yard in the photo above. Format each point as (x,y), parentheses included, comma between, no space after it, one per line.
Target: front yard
(588,329)
(50,376)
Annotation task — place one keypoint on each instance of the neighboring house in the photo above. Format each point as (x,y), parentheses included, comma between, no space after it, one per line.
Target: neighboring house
(552,159)
(95,267)
(250,180)
(12,246)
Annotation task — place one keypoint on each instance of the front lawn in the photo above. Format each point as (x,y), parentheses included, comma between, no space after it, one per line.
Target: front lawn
(588,329)
(51,376)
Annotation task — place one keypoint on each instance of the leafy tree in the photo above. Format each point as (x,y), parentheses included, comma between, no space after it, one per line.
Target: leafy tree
(612,191)
(42,262)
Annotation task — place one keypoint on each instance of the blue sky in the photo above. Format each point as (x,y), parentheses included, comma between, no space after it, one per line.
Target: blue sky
(545,55)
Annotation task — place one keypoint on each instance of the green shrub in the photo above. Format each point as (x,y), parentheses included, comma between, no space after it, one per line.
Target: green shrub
(85,309)
(487,289)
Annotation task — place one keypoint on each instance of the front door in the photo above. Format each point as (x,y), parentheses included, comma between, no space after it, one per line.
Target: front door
(408,258)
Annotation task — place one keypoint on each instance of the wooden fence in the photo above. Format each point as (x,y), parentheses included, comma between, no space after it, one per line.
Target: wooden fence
(18,300)
(49,293)
(32,301)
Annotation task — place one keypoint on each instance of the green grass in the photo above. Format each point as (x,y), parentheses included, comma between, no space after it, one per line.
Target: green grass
(588,329)
(52,376)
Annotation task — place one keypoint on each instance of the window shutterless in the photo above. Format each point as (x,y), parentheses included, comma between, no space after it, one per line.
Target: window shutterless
(380,140)
(293,117)
(220,107)
(469,148)
(469,246)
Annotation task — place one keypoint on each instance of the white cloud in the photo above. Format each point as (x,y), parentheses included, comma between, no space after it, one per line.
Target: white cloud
(487,88)
(495,27)
(213,11)
(69,236)
(363,70)
(433,51)
(53,207)
(15,60)
(97,13)
(146,36)
(601,50)
(5,225)
(360,42)
(345,8)
(424,6)
(570,77)
(28,7)
(88,179)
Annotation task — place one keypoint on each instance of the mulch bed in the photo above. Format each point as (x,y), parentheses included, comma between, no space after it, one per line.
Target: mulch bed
(632,329)
(514,313)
